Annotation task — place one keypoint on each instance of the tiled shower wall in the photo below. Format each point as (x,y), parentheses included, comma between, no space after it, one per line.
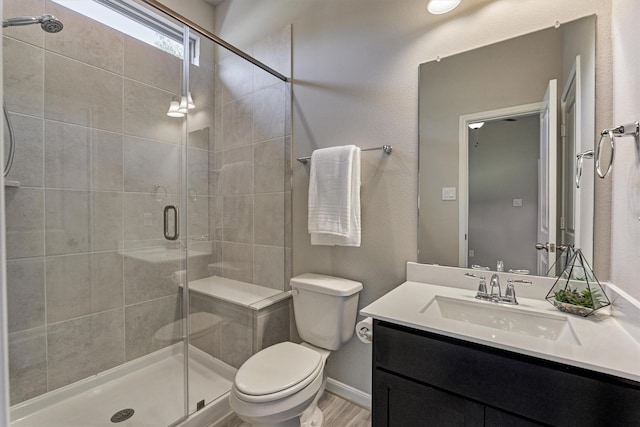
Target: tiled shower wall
(93,139)
(97,159)
(252,178)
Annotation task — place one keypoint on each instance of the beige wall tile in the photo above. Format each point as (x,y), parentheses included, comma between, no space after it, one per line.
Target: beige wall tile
(106,229)
(83,284)
(150,65)
(78,157)
(31,34)
(29,150)
(144,320)
(200,137)
(23,77)
(198,211)
(67,219)
(148,162)
(272,327)
(145,280)
(235,171)
(27,364)
(237,122)
(81,94)
(269,219)
(215,217)
(24,222)
(83,347)
(269,113)
(201,118)
(238,219)
(201,84)
(145,113)
(198,171)
(269,267)
(235,77)
(268,166)
(25,295)
(237,261)
(85,39)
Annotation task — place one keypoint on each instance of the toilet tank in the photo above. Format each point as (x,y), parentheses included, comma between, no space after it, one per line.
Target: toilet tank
(325,309)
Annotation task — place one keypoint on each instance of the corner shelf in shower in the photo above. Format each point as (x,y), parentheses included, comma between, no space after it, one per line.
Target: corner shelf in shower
(13,184)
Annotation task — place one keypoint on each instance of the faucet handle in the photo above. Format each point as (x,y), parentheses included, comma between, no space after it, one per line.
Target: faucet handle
(482,286)
(510,293)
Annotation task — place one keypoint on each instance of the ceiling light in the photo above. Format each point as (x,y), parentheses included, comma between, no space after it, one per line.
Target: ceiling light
(438,7)
(476,125)
(174,110)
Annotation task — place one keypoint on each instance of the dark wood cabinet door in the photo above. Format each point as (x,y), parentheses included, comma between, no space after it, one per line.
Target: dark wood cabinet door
(400,402)
(496,418)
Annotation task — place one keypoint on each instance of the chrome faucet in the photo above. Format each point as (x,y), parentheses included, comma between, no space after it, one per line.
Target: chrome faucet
(495,294)
(495,283)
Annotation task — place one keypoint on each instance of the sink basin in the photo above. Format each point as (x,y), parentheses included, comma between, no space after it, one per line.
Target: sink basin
(511,319)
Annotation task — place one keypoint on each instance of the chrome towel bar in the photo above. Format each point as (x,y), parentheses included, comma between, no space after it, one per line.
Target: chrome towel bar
(386,148)
(629,129)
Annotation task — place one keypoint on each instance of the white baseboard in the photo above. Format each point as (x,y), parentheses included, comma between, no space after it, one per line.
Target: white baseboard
(349,393)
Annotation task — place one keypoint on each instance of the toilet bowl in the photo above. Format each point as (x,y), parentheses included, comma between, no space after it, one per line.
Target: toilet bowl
(280,385)
(280,394)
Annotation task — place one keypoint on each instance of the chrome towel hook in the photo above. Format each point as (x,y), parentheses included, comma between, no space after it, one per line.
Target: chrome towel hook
(629,129)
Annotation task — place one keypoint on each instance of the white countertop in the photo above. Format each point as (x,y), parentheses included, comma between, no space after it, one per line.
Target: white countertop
(598,342)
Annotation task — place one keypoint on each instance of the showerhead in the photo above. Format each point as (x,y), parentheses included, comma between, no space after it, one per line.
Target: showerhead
(49,23)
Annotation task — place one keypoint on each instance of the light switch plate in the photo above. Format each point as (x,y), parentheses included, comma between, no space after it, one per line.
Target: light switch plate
(517,203)
(448,193)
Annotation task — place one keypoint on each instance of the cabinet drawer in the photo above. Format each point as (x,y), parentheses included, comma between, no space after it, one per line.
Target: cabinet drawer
(403,403)
(547,392)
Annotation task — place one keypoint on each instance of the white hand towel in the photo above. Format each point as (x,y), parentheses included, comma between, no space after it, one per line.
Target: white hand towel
(334,196)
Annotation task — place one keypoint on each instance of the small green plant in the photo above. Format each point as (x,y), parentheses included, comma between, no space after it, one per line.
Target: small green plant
(586,298)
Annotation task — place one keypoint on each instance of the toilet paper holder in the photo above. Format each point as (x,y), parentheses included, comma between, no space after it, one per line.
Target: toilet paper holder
(365,333)
(364,330)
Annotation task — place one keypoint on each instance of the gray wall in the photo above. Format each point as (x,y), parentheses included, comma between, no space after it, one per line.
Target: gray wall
(355,69)
(502,167)
(626,176)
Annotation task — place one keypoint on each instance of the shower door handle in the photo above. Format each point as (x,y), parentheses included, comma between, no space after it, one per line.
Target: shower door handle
(176,233)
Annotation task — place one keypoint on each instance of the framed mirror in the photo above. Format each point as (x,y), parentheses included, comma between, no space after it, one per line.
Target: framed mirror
(505,131)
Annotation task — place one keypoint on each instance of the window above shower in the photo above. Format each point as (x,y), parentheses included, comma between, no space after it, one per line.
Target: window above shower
(138,22)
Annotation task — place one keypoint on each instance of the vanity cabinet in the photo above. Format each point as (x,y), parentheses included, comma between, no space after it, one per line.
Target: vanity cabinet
(425,379)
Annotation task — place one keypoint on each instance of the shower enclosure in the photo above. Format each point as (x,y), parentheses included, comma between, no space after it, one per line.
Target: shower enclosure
(149,188)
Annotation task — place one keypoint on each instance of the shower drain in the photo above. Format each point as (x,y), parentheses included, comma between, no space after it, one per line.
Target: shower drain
(122,415)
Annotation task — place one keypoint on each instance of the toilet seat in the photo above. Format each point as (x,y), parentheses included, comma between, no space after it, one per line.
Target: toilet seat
(291,368)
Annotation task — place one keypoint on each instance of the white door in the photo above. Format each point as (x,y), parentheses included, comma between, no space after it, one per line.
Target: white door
(547,178)
(570,105)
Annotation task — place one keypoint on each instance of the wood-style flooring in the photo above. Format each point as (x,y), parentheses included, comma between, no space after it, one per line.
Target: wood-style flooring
(337,413)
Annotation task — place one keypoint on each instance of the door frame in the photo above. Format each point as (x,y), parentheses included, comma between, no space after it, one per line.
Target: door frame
(463,165)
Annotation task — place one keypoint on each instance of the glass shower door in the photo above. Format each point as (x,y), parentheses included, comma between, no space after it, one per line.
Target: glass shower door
(96,256)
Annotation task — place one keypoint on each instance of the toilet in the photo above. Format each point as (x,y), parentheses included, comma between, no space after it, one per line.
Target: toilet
(280,385)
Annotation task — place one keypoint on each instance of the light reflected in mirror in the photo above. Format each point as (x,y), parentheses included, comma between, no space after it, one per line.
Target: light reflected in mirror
(491,192)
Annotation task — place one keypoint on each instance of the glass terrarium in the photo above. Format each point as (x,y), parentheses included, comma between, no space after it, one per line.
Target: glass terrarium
(577,290)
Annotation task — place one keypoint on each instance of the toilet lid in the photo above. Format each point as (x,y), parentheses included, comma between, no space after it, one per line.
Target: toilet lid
(276,368)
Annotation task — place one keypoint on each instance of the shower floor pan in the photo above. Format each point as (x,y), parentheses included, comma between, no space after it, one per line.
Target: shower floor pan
(151,386)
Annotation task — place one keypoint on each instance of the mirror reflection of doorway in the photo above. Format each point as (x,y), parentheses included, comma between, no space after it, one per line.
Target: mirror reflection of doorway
(503,192)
